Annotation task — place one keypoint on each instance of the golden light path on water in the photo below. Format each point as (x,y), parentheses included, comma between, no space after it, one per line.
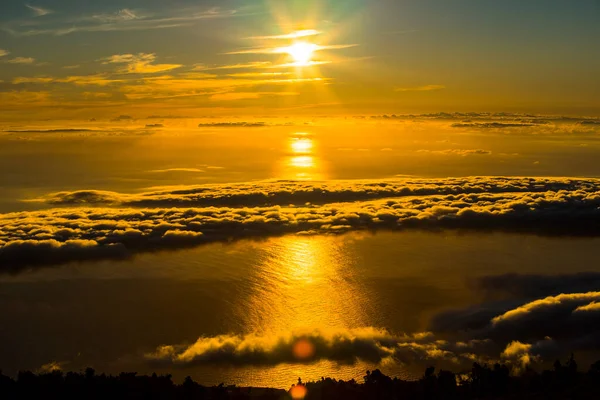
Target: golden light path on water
(306,283)
(302,284)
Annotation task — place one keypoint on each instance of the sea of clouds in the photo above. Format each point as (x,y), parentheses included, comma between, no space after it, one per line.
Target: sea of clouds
(91,225)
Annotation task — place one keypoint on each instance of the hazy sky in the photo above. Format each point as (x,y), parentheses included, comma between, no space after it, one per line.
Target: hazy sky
(74,58)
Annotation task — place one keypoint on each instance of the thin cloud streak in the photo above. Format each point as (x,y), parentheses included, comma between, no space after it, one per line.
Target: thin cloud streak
(39,11)
(250,65)
(284,50)
(121,15)
(21,60)
(425,88)
(141,63)
(123,21)
(293,35)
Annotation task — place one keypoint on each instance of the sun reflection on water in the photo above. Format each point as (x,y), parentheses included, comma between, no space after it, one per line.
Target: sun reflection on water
(301,161)
(301,145)
(306,283)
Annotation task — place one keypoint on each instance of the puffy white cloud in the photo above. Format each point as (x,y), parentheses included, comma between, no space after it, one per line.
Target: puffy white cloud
(568,302)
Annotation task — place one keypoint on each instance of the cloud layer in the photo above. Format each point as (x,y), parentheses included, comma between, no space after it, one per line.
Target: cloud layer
(188,217)
(345,346)
(536,331)
(300,193)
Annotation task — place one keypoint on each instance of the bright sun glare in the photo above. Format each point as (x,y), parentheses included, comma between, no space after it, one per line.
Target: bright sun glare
(302,52)
(302,145)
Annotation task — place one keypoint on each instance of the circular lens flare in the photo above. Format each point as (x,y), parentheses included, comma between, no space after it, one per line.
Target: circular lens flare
(303,349)
(298,392)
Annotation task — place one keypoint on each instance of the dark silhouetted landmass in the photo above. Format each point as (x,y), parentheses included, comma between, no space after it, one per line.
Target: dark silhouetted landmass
(481,382)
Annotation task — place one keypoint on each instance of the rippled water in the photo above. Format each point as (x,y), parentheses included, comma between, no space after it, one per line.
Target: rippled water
(108,314)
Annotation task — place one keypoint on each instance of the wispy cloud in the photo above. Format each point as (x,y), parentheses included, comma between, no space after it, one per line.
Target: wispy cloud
(160,171)
(153,86)
(39,11)
(121,20)
(493,125)
(33,79)
(458,152)
(247,95)
(85,80)
(4,53)
(286,50)
(163,87)
(21,60)
(250,65)
(293,35)
(141,63)
(306,64)
(259,74)
(121,15)
(425,88)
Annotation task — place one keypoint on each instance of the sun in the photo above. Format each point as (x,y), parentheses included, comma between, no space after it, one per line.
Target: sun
(302,52)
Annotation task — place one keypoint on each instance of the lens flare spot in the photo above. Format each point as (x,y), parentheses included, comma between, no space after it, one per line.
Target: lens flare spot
(298,392)
(303,349)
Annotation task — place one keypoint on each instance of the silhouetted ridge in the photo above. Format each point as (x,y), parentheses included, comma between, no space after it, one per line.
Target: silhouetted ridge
(481,382)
